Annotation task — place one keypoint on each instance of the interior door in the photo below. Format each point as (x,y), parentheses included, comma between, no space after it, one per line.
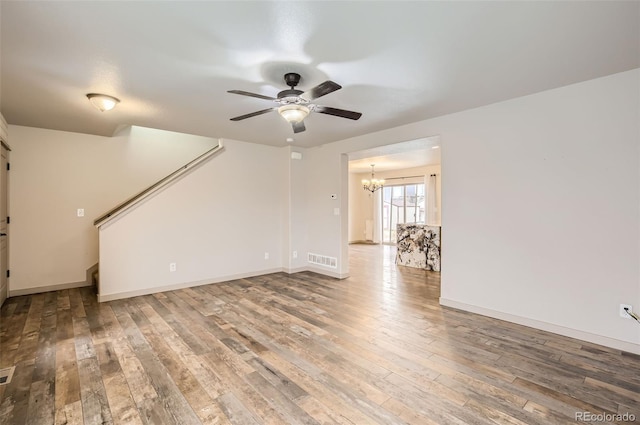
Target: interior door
(4,229)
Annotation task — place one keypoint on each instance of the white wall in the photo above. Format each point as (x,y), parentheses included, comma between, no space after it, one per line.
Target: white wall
(216,223)
(547,187)
(53,173)
(540,206)
(326,171)
(295,220)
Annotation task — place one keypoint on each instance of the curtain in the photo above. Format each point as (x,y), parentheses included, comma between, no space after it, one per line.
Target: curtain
(433,209)
(377,216)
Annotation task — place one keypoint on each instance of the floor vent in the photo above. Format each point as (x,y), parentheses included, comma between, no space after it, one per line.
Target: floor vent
(323,260)
(6,375)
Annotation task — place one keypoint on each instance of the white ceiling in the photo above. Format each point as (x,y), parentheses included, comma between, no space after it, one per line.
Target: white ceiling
(410,154)
(171,63)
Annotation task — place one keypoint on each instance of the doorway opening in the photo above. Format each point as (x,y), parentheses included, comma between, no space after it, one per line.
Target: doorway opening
(407,169)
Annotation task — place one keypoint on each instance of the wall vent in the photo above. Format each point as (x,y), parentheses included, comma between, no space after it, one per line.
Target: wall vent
(6,374)
(322,260)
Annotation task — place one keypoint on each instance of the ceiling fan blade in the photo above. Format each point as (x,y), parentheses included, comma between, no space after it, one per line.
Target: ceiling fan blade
(246,93)
(253,114)
(338,112)
(298,127)
(320,90)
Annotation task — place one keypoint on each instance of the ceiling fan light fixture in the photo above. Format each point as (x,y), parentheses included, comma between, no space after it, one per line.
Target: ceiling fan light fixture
(293,113)
(103,102)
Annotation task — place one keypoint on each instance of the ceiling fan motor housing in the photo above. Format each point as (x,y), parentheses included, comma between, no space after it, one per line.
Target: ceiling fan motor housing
(292,79)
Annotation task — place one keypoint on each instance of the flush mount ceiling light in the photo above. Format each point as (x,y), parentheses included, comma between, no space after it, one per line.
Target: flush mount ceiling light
(102,102)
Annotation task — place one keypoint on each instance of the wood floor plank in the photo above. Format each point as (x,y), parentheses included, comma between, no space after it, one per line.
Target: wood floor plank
(236,411)
(12,328)
(376,348)
(155,411)
(28,343)
(408,414)
(70,414)
(41,407)
(67,380)
(15,400)
(137,379)
(322,413)
(202,404)
(95,405)
(253,403)
(281,382)
(326,400)
(286,407)
(75,303)
(354,396)
(42,402)
(121,403)
(301,341)
(132,319)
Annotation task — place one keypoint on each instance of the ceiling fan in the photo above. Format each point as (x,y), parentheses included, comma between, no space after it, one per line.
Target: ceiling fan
(295,105)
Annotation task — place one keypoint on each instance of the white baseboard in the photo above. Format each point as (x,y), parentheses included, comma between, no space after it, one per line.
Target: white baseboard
(549,327)
(41,289)
(327,272)
(295,270)
(147,291)
(183,285)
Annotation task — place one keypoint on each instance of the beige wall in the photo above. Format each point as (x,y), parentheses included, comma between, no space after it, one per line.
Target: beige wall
(54,173)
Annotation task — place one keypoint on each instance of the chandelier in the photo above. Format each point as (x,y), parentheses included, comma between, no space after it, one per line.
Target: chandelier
(373,184)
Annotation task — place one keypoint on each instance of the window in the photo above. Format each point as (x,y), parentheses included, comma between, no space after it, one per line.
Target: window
(401,204)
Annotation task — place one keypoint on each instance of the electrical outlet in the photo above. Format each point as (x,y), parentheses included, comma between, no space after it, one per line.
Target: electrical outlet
(623,312)
(80,212)
(173,267)
(295,254)
(266,255)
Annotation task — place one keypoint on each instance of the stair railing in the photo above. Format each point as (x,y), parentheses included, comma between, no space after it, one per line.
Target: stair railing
(139,197)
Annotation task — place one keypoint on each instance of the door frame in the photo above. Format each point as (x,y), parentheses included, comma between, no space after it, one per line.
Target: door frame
(4,221)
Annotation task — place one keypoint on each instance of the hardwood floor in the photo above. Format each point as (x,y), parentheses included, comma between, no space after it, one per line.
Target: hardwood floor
(300,349)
